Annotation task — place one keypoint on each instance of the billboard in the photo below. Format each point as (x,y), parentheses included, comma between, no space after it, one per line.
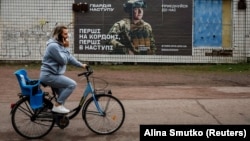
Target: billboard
(149,27)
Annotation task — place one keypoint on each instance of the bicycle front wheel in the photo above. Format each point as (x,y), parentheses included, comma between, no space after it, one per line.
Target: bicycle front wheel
(29,123)
(112,118)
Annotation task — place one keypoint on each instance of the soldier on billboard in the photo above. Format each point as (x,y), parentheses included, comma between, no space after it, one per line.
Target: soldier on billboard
(134,34)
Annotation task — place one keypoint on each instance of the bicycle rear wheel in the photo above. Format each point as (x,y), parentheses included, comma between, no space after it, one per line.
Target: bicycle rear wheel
(32,124)
(110,121)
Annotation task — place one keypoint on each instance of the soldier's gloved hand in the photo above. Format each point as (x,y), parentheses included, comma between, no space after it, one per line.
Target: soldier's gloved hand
(134,49)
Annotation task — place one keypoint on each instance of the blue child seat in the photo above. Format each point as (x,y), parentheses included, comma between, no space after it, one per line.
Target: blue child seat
(30,88)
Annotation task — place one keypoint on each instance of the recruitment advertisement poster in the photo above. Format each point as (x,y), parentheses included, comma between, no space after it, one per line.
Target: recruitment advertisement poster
(134,27)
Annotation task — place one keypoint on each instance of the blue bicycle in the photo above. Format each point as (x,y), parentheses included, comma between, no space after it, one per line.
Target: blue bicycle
(32,116)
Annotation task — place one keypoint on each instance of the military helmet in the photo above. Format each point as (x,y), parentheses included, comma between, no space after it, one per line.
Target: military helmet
(130,4)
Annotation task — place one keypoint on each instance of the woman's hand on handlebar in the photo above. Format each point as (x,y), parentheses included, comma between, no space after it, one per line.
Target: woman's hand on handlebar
(88,72)
(85,66)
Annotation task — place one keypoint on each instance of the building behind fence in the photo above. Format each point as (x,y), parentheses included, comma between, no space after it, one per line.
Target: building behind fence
(219,29)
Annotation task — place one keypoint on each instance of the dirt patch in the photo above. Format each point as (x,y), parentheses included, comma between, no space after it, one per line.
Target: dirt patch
(144,84)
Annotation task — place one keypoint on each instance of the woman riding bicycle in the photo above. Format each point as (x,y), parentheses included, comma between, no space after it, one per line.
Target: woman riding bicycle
(54,62)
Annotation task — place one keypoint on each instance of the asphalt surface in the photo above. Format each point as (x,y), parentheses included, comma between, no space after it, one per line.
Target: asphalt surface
(194,111)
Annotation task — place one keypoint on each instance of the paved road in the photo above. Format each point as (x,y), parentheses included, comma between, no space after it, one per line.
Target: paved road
(221,111)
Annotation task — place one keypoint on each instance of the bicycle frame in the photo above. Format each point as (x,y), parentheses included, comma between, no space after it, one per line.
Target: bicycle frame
(88,90)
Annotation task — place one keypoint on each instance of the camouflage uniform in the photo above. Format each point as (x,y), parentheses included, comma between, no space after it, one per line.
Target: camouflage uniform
(132,38)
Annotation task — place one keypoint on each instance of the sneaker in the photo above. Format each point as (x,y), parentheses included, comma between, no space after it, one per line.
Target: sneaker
(60,109)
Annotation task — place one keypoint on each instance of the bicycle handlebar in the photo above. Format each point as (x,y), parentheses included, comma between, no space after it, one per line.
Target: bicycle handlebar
(86,73)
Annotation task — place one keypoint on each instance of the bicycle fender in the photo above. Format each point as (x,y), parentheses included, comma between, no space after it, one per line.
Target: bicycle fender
(15,104)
